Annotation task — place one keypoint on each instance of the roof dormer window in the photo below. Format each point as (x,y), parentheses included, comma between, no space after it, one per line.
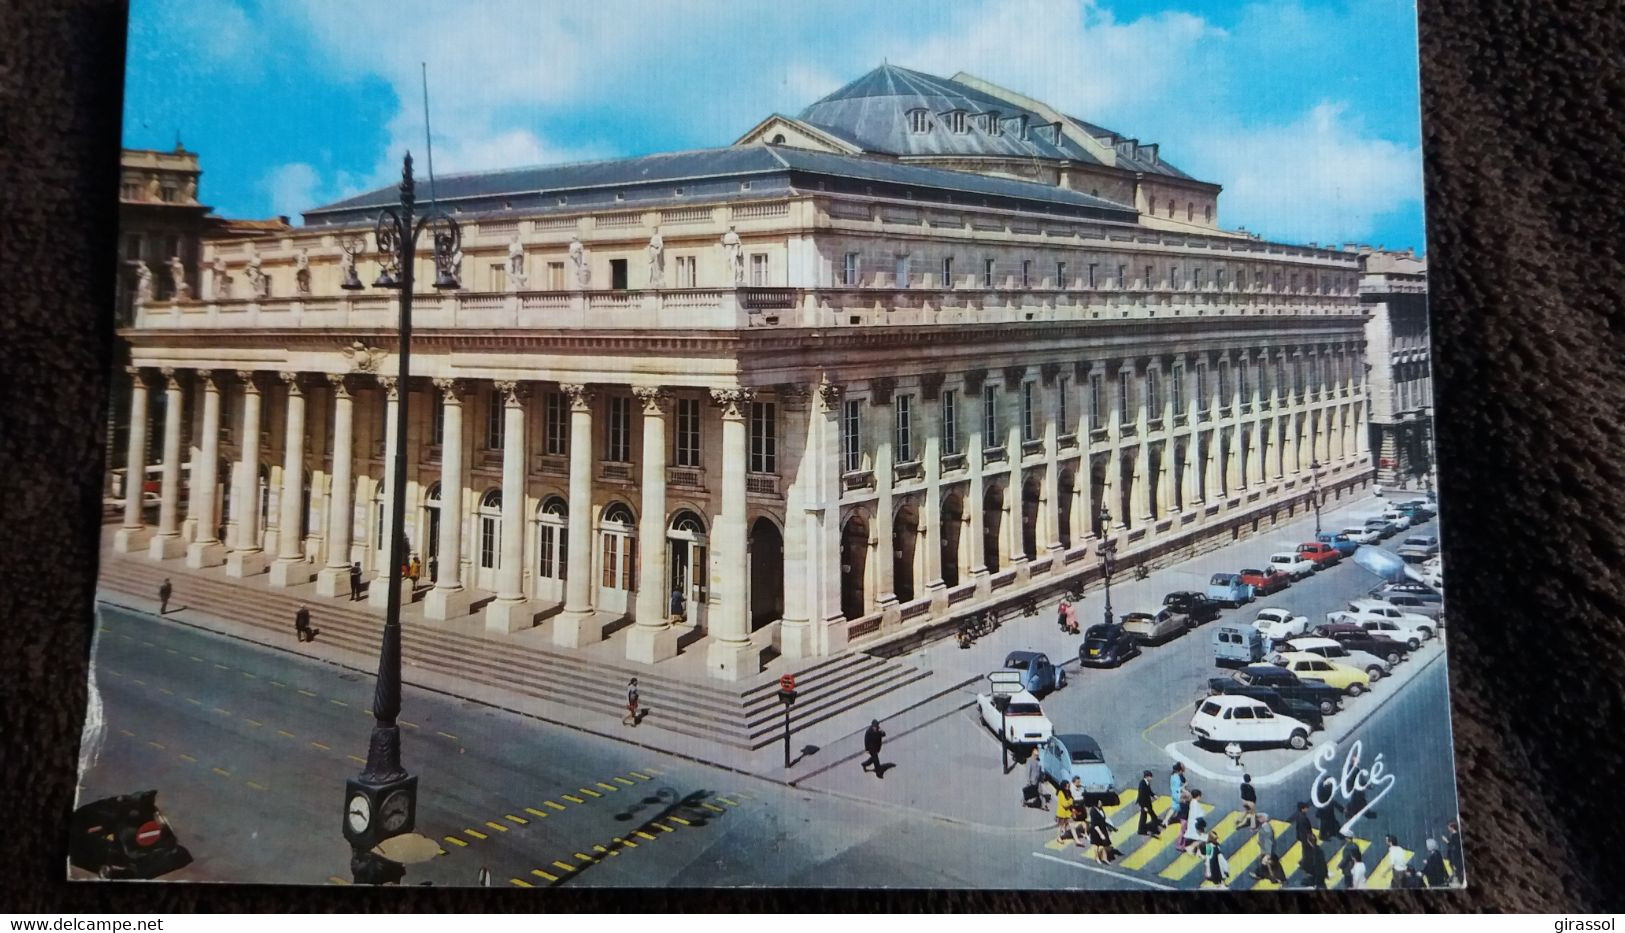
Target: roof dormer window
(1056,131)
(1021,123)
(990,123)
(956,121)
(919,121)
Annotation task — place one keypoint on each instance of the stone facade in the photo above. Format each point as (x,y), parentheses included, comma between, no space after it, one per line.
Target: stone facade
(1394,287)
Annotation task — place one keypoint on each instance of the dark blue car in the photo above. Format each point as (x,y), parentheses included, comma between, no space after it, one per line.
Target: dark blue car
(1345,545)
(1038,675)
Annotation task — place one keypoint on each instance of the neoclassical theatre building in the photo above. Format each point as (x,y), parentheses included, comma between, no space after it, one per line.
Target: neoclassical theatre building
(907,354)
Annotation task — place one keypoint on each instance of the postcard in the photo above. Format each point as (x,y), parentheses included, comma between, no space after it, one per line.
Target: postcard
(983,445)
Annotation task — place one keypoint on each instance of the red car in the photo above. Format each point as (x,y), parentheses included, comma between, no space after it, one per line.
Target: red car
(1266,581)
(1323,555)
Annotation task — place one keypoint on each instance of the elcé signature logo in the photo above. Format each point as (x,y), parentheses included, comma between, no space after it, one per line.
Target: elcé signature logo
(1351,780)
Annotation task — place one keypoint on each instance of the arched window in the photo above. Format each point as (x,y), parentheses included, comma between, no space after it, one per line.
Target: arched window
(553,538)
(1207,212)
(617,534)
(1190,210)
(778,139)
(491,529)
(1170,207)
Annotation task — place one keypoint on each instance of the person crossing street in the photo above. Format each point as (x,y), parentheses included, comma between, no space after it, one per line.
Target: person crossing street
(1145,799)
(165,590)
(873,738)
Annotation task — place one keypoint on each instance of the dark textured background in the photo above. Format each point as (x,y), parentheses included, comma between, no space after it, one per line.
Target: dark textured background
(1522,110)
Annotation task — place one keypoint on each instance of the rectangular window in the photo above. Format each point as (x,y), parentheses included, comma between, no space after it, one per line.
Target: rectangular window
(764,437)
(1153,394)
(849,270)
(1125,395)
(758,269)
(1063,387)
(496,276)
(1218,279)
(990,416)
(1174,280)
(1029,417)
(493,422)
(1097,401)
(1246,379)
(618,432)
(947,272)
(1197,282)
(903,406)
(987,273)
(1060,274)
(950,421)
(437,420)
(1122,276)
(1297,377)
(1176,389)
(1149,271)
(687,269)
(556,425)
(687,453)
(1092,266)
(1203,401)
(555,276)
(1026,273)
(851,439)
(617,274)
(902,271)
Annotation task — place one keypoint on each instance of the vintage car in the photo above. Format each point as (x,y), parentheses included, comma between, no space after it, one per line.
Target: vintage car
(1292,564)
(1328,699)
(125,837)
(1381,616)
(1228,589)
(1198,606)
(1357,637)
(1301,710)
(1345,545)
(1319,553)
(1038,675)
(1107,646)
(1014,717)
(1347,678)
(1333,650)
(1265,581)
(1237,646)
(1154,628)
(1280,624)
(1249,723)
(1360,534)
(1074,754)
(1418,548)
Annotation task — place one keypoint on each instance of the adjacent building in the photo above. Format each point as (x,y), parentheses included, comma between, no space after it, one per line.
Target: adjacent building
(912,352)
(1393,286)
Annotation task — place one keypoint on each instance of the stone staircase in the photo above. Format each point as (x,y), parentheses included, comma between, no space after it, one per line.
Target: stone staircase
(743,716)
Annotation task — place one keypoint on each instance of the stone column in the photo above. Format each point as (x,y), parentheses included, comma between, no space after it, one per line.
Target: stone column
(823,520)
(246,558)
(976,493)
(801,523)
(1114,456)
(731,655)
(1140,492)
(511,612)
(167,542)
(1214,466)
(290,568)
(653,639)
(885,555)
(334,577)
(206,549)
(577,625)
(1049,506)
(378,590)
(1168,478)
(931,497)
(132,536)
(1084,505)
(450,598)
(1015,545)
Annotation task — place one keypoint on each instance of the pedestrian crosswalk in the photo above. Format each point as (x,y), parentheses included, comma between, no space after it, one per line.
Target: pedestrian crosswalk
(1158,858)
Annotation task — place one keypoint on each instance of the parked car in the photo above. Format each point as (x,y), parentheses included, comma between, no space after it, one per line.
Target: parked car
(1301,710)
(1350,680)
(1287,684)
(1280,624)
(1107,646)
(1237,646)
(125,837)
(1265,581)
(1414,628)
(1228,589)
(1418,591)
(1292,564)
(1417,548)
(1419,507)
(1344,544)
(1038,675)
(1154,628)
(1247,722)
(1196,605)
(1333,650)
(1382,526)
(1074,754)
(1414,604)
(1398,519)
(1360,534)
(1357,637)
(1018,715)
(1321,554)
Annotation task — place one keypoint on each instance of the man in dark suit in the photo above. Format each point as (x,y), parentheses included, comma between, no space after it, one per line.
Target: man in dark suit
(1149,824)
(1303,827)
(355,582)
(301,624)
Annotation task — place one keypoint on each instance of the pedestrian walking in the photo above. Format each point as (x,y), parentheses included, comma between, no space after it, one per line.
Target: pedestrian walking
(1352,864)
(1060,614)
(1399,860)
(1195,827)
(1314,865)
(355,582)
(1032,793)
(1146,799)
(414,570)
(1433,870)
(1100,834)
(1303,828)
(873,738)
(301,624)
(165,590)
(631,717)
(1249,802)
(1072,619)
(1215,867)
(676,604)
(1330,816)
(1176,793)
(1267,867)
(1064,803)
(1452,849)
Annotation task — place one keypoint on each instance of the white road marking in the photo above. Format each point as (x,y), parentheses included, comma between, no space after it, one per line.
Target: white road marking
(1120,876)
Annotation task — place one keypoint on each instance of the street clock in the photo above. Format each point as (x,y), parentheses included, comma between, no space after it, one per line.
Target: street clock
(375,812)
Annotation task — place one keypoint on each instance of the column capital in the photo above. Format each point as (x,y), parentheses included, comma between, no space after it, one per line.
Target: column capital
(206,378)
(881,389)
(250,379)
(292,381)
(1013,376)
(170,382)
(449,389)
(931,386)
(829,394)
(797,395)
(513,392)
(733,401)
(1048,372)
(974,380)
(580,396)
(135,372)
(655,400)
(341,386)
(390,385)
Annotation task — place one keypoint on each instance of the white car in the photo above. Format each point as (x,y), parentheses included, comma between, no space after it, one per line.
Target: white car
(1280,624)
(1360,534)
(1333,650)
(1022,720)
(1399,519)
(1289,563)
(1384,618)
(1223,719)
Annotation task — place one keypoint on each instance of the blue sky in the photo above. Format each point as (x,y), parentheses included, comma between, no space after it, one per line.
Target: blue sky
(1306,112)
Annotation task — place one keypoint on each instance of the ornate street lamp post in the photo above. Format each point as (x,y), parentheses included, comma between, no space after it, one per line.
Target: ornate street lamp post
(1314,491)
(1108,559)
(381,802)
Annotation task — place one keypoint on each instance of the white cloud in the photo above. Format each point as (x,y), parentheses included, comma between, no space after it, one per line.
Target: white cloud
(292,188)
(1317,178)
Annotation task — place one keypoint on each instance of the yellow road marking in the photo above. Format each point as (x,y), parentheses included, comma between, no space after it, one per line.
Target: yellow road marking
(155,744)
(520,882)
(564,865)
(358,760)
(446,734)
(731,803)
(138,681)
(517,819)
(278,683)
(713,807)
(194,702)
(221,666)
(602,849)
(626,842)
(590,793)
(249,676)
(744,796)
(256,786)
(221,771)
(643,835)
(621,780)
(252,722)
(456,842)
(662,827)
(222,711)
(585,857)
(1151,848)
(496,826)
(166,690)
(172,651)
(195,658)
(608,787)
(335,879)
(1181,866)
(186,757)
(337,702)
(325,748)
(572,798)
(284,732)
(641,777)
(1131,826)
(475,833)
(306,692)
(127,732)
(535,812)
(542,874)
(409,725)
(678,819)
(654,770)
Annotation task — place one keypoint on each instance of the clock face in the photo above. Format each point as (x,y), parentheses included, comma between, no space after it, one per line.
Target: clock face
(359,813)
(394,811)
